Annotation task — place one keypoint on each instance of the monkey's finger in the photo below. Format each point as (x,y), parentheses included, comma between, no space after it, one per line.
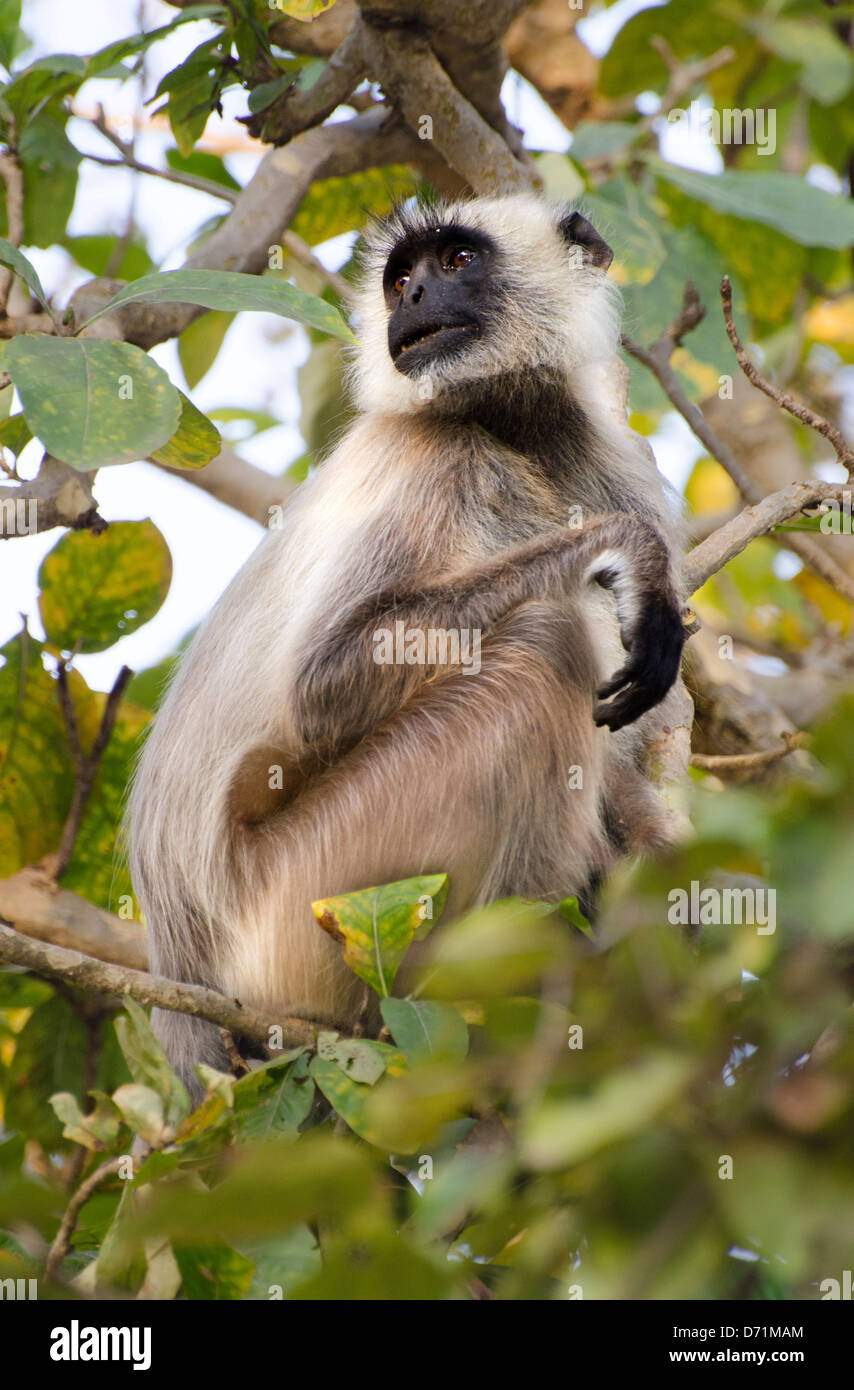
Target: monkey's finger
(618,682)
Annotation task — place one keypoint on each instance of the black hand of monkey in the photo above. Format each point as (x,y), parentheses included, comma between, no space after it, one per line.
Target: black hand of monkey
(653,665)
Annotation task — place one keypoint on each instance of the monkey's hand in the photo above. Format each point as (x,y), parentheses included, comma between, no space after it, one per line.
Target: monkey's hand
(654,645)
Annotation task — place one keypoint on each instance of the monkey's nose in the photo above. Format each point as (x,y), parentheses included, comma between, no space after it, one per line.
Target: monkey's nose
(416,294)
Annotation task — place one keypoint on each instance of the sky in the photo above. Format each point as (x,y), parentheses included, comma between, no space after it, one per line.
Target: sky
(257,366)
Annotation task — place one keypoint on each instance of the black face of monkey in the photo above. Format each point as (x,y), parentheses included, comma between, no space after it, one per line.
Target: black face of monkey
(438,288)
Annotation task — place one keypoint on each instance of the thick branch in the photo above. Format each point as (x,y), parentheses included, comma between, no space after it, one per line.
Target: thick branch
(57,496)
(55,963)
(31,902)
(237,484)
(416,82)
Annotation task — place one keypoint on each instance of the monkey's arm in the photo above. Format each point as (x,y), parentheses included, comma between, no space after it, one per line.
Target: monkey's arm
(342,694)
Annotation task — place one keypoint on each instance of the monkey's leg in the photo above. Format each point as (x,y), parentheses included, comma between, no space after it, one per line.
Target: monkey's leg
(493,778)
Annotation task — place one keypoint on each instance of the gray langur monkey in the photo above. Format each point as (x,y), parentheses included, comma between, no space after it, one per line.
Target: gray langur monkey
(488,489)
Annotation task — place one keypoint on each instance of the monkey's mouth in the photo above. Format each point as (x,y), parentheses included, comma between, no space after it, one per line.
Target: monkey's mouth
(429,341)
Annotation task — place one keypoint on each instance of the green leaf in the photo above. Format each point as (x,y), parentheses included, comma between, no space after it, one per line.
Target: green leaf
(266,93)
(204,164)
(214,1272)
(572,912)
(96,1130)
(36,774)
(232,291)
(142,1109)
(424,1029)
(302,9)
(94,253)
(48,1058)
(10,19)
(199,344)
(806,214)
(349,1099)
(636,240)
(632,65)
(500,949)
(148,1063)
(274,1100)
(11,256)
(826,65)
(361,1059)
(127,48)
(92,401)
(98,870)
(376,926)
(195,442)
(15,434)
(121,1261)
(98,588)
(591,139)
(562,1132)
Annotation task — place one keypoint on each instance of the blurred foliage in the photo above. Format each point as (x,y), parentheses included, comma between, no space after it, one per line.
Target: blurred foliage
(636,1110)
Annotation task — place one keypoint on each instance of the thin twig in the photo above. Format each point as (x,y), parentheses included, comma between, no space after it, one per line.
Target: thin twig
(782,398)
(62,1241)
(683,76)
(85,764)
(10,172)
(742,762)
(202,185)
(657,359)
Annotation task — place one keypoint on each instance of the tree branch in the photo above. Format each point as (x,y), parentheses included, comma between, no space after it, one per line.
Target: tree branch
(657,359)
(730,539)
(782,398)
(414,79)
(57,496)
(62,1240)
(237,484)
(296,110)
(56,963)
(85,764)
(32,903)
(744,762)
(10,172)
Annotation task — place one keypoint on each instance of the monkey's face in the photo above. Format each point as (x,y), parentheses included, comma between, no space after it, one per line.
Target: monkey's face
(455,296)
(438,291)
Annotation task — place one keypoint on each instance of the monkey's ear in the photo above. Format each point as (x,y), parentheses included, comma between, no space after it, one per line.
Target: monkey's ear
(579,232)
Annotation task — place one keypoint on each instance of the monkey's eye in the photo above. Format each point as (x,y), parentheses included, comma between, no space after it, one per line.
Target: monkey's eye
(400,281)
(458,256)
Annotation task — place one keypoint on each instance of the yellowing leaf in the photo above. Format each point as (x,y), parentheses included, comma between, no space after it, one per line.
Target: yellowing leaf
(97,588)
(376,926)
(195,442)
(832,320)
(305,10)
